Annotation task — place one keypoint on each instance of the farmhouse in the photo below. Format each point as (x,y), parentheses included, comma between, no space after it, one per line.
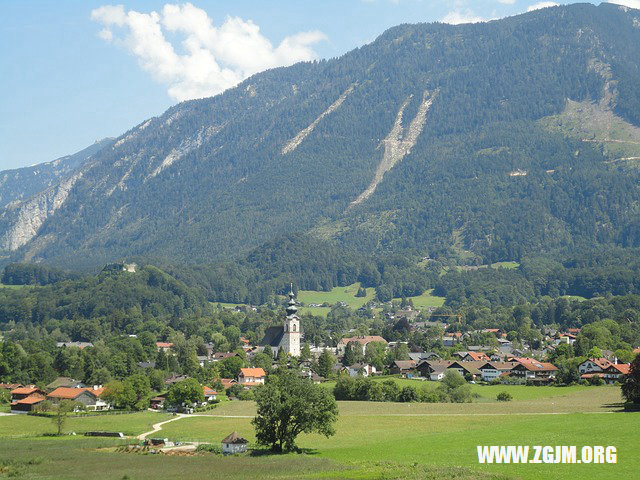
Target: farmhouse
(466,369)
(609,371)
(234,443)
(24,392)
(402,367)
(492,370)
(287,336)
(250,377)
(534,371)
(433,369)
(26,404)
(86,396)
(363,340)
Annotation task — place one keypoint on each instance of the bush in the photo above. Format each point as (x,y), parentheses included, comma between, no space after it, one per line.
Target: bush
(210,448)
(504,397)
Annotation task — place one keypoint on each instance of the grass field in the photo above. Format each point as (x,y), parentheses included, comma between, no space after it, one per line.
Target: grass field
(372,441)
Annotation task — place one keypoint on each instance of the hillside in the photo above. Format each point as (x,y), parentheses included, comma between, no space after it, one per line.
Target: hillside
(441,140)
(20,183)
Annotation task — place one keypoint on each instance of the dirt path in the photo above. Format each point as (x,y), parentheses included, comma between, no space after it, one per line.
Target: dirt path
(158,426)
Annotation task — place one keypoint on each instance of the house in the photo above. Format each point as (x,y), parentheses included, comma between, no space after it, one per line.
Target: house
(251,376)
(594,365)
(534,371)
(286,336)
(234,443)
(157,403)
(24,392)
(433,369)
(217,356)
(466,369)
(65,382)
(27,404)
(86,396)
(472,356)
(164,346)
(492,370)
(361,369)
(402,367)
(609,371)
(227,383)
(420,356)
(363,340)
(209,394)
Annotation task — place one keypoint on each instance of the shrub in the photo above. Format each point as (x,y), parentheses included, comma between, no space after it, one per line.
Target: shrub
(210,448)
(504,397)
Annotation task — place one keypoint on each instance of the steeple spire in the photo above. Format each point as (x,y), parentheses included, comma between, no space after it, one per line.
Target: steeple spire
(291,308)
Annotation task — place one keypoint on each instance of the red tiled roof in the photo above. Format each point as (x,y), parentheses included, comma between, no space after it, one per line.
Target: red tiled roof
(70,393)
(477,356)
(209,391)
(623,368)
(28,390)
(30,400)
(227,382)
(252,372)
(603,363)
(164,344)
(535,366)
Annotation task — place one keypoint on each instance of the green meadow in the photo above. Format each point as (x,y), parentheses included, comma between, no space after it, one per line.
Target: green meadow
(373,440)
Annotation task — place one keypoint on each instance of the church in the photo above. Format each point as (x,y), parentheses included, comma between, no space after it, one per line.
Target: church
(287,336)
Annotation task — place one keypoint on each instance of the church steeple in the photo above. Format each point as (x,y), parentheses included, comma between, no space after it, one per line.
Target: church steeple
(291,329)
(291,308)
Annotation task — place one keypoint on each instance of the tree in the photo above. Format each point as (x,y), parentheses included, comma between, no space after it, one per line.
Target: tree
(326,361)
(61,411)
(352,353)
(289,405)
(305,352)
(230,367)
(187,391)
(454,387)
(631,385)
(139,387)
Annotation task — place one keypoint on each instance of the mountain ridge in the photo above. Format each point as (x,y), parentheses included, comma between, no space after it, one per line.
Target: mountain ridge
(214,178)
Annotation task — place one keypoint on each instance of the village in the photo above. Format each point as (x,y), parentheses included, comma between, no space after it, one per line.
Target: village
(284,347)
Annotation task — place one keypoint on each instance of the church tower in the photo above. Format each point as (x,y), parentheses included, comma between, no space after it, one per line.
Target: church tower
(291,335)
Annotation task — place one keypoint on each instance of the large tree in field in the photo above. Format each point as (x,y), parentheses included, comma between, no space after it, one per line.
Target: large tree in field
(289,405)
(631,385)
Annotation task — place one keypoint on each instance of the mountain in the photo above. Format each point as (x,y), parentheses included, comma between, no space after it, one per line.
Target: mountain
(484,142)
(21,183)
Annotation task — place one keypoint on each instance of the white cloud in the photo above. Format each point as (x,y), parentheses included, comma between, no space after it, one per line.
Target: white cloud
(457,17)
(507,2)
(627,3)
(540,5)
(214,58)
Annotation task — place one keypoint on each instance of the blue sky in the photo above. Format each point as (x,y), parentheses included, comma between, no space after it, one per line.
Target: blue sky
(74,71)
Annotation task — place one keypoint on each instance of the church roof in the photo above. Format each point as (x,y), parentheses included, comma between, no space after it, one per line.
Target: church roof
(272,336)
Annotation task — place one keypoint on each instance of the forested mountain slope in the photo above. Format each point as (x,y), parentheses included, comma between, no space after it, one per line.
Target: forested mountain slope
(434,138)
(21,183)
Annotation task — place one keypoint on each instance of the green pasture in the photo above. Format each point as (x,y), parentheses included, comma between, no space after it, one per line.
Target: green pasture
(129,424)
(373,440)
